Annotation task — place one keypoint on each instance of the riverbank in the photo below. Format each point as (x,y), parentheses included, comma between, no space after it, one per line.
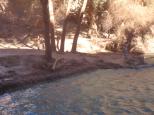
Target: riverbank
(24,67)
(18,69)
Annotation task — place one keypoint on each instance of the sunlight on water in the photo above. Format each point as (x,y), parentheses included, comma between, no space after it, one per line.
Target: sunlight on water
(103,92)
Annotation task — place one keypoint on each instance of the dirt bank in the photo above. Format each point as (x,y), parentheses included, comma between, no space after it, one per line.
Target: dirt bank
(24,67)
(18,69)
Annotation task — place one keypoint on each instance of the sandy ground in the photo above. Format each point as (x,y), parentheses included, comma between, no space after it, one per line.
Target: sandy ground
(84,45)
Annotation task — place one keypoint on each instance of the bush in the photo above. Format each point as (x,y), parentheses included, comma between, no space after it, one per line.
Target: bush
(131,15)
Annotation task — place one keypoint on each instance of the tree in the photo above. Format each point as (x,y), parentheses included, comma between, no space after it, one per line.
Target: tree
(65,26)
(74,46)
(52,21)
(46,19)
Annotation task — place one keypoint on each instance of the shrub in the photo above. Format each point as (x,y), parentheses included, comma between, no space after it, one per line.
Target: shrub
(131,15)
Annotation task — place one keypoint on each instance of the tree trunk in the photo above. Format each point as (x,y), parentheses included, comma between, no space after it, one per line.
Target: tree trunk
(129,34)
(62,46)
(75,40)
(46,19)
(92,20)
(52,22)
(63,36)
(74,46)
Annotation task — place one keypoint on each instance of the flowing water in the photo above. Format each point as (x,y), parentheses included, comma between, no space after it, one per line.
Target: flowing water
(103,92)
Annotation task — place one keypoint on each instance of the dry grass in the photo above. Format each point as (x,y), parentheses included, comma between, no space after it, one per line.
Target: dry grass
(134,15)
(130,11)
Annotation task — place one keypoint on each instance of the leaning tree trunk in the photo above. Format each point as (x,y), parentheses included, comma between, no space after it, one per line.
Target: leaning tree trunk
(74,46)
(52,21)
(64,27)
(46,19)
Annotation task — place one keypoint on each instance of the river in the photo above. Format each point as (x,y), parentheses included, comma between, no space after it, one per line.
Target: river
(103,92)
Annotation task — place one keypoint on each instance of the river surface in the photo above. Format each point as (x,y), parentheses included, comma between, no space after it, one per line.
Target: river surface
(103,92)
